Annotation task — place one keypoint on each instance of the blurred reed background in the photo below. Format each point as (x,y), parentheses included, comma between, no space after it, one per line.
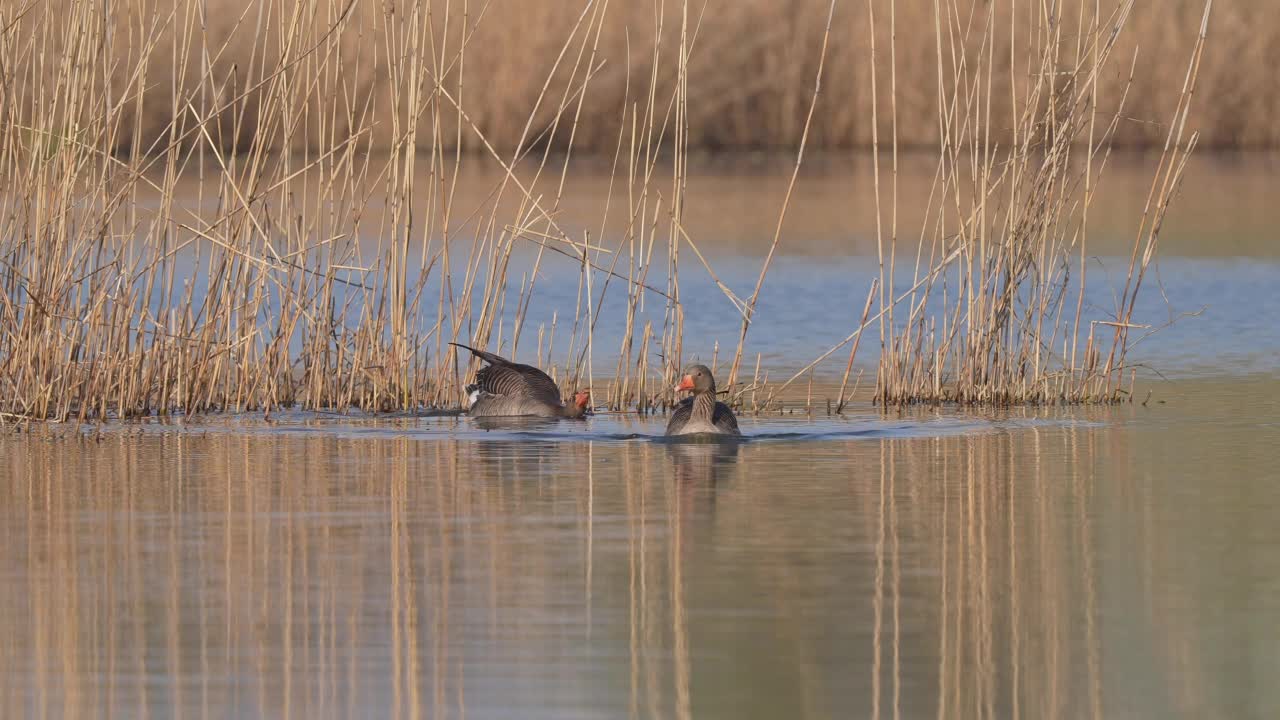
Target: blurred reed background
(750,72)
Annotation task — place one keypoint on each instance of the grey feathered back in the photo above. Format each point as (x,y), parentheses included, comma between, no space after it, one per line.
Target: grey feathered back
(519,386)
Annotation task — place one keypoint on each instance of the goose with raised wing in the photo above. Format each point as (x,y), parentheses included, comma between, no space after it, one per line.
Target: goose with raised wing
(701,413)
(507,389)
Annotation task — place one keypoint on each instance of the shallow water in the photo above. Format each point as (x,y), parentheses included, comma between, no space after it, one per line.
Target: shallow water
(1105,562)
(1088,562)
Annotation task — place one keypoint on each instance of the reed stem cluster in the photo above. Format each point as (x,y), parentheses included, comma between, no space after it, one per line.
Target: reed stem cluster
(204,210)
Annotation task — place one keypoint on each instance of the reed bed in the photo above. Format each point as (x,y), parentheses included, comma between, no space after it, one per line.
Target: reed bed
(215,207)
(130,289)
(988,301)
(998,309)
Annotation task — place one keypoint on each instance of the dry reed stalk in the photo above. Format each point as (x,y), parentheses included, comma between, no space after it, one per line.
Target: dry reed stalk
(853,349)
(250,251)
(1013,219)
(183,275)
(786,201)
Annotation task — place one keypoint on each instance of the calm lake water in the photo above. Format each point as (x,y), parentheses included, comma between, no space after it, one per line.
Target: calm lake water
(1052,563)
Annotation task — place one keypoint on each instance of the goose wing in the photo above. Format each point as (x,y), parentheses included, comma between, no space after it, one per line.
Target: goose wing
(523,381)
(724,419)
(503,377)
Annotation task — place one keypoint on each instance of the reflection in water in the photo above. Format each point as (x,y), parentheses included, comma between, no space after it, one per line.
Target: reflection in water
(516,424)
(703,464)
(1037,571)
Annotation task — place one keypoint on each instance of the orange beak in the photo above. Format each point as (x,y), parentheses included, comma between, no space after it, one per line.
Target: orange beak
(685,384)
(582,398)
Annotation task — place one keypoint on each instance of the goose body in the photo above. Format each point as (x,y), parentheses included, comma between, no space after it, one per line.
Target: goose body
(507,389)
(701,414)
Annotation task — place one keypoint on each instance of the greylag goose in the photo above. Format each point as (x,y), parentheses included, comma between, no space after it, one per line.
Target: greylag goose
(701,413)
(506,389)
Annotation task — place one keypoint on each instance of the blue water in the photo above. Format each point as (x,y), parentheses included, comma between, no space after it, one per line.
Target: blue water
(1209,316)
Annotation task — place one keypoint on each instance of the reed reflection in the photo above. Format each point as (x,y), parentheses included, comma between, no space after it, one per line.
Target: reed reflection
(1011,573)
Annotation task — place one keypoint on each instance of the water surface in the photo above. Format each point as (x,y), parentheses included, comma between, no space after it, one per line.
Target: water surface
(1037,563)
(1116,561)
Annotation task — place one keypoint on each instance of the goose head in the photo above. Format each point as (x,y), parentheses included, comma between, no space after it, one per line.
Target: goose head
(698,379)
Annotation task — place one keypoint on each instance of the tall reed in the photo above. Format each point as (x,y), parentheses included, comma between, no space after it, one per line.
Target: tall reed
(211,210)
(998,309)
(288,237)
